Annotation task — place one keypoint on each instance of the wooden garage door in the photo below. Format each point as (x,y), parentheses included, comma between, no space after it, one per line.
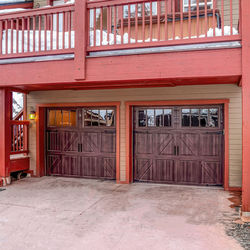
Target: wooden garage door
(182,145)
(81,142)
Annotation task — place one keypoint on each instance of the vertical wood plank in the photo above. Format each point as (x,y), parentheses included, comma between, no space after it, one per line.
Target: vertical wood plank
(143,21)
(206,25)
(101,26)
(129,25)
(115,9)
(94,30)
(63,30)
(166,20)
(81,38)
(39,33)
(158,20)
(22,34)
(1,37)
(151,22)
(6,37)
(173,20)
(197,19)
(11,38)
(189,18)
(28,35)
(34,33)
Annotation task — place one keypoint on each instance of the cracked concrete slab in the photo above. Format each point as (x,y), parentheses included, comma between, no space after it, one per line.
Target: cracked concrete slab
(65,213)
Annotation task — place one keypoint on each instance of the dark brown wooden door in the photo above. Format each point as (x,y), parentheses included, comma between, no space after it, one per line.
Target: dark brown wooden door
(81,142)
(182,145)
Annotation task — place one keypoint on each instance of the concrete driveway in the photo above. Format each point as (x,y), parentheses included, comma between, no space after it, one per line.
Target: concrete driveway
(65,213)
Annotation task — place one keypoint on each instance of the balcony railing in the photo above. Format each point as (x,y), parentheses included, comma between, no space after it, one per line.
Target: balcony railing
(19,137)
(37,32)
(118,24)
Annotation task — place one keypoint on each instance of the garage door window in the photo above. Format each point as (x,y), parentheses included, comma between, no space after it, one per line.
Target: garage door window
(61,118)
(202,117)
(152,117)
(99,117)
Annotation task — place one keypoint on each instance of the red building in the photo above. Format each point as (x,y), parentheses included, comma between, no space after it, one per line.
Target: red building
(135,90)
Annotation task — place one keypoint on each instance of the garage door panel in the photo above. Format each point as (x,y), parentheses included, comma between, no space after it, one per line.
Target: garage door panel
(144,143)
(109,168)
(189,172)
(89,167)
(54,163)
(89,142)
(70,141)
(210,144)
(188,144)
(164,170)
(108,142)
(165,143)
(54,141)
(143,169)
(211,173)
(69,165)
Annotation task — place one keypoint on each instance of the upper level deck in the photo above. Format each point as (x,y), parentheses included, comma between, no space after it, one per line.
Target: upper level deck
(92,44)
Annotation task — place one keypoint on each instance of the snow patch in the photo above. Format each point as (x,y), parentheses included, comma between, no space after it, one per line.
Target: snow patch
(11,10)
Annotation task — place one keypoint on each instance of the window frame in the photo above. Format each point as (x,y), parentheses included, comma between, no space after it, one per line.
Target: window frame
(154,108)
(62,109)
(83,110)
(220,119)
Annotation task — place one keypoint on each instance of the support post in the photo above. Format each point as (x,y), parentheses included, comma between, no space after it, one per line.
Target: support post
(5,134)
(245,10)
(81,38)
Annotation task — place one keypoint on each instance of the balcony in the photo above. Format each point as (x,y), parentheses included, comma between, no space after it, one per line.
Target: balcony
(117,27)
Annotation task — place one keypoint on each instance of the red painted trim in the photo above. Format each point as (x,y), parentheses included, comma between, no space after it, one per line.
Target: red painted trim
(129,146)
(40,142)
(24,106)
(5,132)
(19,164)
(12,89)
(40,132)
(237,189)
(245,10)
(226,145)
(20,122)
(164,43)
(37,12)
(38,53)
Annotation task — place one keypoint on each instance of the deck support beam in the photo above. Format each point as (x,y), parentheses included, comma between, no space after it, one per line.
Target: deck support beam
(5,134)
(245,10)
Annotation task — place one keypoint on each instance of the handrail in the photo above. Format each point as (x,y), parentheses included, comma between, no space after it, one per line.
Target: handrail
(19,122)
(18,116)
(37,12)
